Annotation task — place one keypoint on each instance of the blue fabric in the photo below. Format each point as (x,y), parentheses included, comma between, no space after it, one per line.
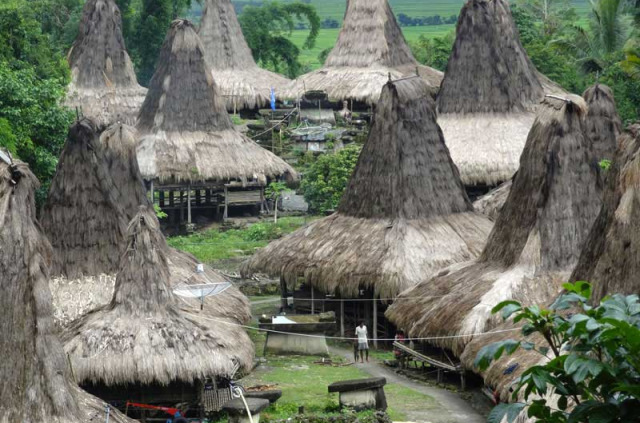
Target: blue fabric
(273,99)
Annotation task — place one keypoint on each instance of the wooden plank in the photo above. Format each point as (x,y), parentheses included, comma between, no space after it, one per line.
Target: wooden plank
(422,357)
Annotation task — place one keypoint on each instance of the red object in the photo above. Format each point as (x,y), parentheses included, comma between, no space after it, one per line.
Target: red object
(168,410)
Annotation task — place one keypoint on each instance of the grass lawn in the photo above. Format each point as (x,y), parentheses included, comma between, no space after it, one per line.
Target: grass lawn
(213,244)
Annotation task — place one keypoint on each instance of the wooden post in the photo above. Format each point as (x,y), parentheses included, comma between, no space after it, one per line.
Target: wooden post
(262,200)
(226,204)
(313,306)
(181,206)
(172,199)
(162,201)
(342,318)
(375,322)
(198,197)
(153,199)
(207,196)
(189,205)
(283,293)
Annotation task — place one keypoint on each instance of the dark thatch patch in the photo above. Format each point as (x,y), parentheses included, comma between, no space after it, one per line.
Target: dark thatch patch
(143,336)
(185,133)
(491,203)
(119,188)
(103,81)
(489,94)
(536,240)
(403,216)
(36,381)
(370,49)
(610,259)
(603,124)
(240,81)
(82,217)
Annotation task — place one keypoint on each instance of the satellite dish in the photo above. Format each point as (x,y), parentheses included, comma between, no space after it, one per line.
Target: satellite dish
(201,290)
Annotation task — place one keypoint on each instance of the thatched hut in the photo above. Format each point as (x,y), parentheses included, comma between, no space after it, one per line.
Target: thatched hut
(186,139)
(488,97)
(97,189)
(534,245)
(603,124)
(610,260)
(144,338)
(103,82)
(37,382)
(240,81)
(370,49)
(404,215)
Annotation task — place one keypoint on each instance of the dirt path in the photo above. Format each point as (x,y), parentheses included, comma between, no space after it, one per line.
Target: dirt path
(449,407)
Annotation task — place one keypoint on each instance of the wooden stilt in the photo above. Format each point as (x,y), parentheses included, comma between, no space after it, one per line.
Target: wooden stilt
(313,305)
(181,207)
(375,322)
(342,318)
(189,205)
(161,199)
(225,216)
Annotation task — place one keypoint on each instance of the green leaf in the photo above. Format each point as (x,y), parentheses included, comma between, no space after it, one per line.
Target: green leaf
(510,411)
(562,403)
(509,309)
(504,304)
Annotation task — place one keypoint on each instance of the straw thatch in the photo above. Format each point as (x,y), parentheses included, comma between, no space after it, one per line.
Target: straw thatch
(241,82)
(36,381)
(370,50)
(609,259)
(81,216)
(403,216)
(103,82)
(491,203)
(143,336)
(535,244)
(185,133)
(488,97)
(603,124)
(96,191)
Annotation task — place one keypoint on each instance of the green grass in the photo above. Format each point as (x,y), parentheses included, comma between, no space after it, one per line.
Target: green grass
(214,244)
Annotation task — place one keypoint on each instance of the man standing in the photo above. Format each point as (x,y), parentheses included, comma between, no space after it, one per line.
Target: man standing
(363,344)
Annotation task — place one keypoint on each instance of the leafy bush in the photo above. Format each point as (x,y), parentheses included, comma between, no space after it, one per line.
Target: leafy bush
(327,177)
(595,364)
(262,232)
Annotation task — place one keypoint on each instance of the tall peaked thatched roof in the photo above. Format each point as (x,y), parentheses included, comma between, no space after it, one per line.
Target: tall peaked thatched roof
(103,81)
(609,260)
(185,133)
(603,123)
(241,82)
(489,94)
(534,244)
(163,343)
(37,383)
(403,215)
(81,216)
(370,47)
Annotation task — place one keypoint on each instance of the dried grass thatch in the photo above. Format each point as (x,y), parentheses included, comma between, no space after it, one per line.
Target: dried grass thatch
(241,82)
(103,82)
(403,215)
(491,203)
(143,336)
(488,97)
(535,244)
(610,259)
(185,133)
(96,191)
(370,50)
(603,124)
(36,381)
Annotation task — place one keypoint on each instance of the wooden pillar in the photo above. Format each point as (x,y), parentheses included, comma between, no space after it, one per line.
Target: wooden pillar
(207,196)
(262,200)
(283,293)
(375,322)
(181,206)
(342,318)
(225,216)
(189,205)
(172,199)
(161,195)
(313,305)
(198,197)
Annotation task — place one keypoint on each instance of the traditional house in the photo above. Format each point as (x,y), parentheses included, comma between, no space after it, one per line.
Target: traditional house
(403,216)
(370,49)
(240,81)
(103,82)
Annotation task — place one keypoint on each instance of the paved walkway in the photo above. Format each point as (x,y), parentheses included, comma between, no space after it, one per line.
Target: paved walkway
(458,410)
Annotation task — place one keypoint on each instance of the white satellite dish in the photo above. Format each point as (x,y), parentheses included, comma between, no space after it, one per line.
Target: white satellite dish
(201,290)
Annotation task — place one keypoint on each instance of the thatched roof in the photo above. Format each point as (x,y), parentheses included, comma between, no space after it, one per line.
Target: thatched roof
(403,216)
(603,124)
(610,259)
(535,243)
(370,49)
(37,383)
(143,335)
(103,82)
(82,217)
(488,97)
(97,189)
(241,82)
(491,203)
(185,133)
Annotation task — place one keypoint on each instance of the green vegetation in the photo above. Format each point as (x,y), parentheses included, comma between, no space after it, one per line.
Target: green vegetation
(595,364)
(267,28)
(215,244)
